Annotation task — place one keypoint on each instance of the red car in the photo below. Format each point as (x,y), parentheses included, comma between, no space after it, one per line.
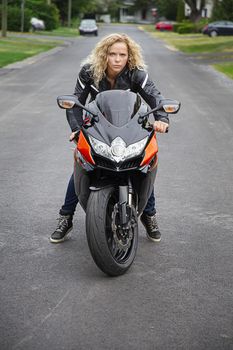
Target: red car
(164,25)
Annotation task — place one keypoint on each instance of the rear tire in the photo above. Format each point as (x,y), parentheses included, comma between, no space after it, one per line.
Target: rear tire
(107,254)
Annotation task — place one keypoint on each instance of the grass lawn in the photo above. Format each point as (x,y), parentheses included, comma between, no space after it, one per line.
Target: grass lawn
(61,31)
(200,44)
(226,68)
(194,43)
(16,49)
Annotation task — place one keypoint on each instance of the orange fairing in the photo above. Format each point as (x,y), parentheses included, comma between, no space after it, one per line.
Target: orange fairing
(84,148)
(150,151)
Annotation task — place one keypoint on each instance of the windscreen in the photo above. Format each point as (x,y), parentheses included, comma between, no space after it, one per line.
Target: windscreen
(118,106)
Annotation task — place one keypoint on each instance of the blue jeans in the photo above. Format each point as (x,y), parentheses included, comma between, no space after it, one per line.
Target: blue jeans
(71,201)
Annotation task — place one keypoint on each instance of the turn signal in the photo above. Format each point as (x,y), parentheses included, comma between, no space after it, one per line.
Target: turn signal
(171,108)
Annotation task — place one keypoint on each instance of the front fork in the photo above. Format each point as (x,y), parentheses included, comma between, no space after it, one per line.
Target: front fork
(125,204)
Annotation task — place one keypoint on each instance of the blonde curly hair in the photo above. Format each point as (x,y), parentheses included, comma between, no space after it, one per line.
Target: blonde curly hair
(98,59)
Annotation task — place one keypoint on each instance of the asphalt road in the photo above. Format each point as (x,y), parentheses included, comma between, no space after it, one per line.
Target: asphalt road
(179,293)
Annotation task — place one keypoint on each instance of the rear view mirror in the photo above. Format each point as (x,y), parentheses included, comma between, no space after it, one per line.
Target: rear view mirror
(71,101)
(170,106)
(67,101)
(166,105)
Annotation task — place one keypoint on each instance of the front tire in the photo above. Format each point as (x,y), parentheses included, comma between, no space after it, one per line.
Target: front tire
(112,258)
(213,33)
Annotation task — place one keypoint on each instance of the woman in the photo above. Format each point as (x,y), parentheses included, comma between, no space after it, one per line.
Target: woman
(115,63)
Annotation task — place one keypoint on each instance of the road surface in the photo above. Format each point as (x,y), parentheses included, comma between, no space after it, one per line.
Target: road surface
(178,294)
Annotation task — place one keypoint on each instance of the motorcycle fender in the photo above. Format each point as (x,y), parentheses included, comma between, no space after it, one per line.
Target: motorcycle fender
(98,188)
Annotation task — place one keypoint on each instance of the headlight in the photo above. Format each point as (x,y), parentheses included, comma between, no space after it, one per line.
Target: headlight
(100,148)
(118,152)
(136,148)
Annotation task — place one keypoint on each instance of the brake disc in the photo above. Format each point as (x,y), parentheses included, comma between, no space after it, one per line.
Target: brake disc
(122,236)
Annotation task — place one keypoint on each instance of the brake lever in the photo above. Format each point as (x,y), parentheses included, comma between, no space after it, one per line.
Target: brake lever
(148,126)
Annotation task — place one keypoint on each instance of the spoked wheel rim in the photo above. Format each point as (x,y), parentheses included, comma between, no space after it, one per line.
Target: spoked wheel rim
(119,247)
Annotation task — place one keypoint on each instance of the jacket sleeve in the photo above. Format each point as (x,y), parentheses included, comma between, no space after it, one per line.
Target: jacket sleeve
(82,89)
(148,91)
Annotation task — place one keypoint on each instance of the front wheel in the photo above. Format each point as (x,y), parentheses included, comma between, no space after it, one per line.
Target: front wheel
(112,248)
(213,33)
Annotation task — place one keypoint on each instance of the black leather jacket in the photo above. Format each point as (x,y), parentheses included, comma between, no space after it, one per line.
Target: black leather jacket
(135,80)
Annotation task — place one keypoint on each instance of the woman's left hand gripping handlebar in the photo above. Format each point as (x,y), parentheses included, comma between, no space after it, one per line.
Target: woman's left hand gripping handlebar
(160,126)
(74,136)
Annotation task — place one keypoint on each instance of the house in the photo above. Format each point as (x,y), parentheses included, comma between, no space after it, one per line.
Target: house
(127,13)
(206,12)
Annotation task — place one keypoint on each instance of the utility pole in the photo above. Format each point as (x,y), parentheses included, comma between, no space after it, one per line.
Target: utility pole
(4,18)
(69,12)
(22,15)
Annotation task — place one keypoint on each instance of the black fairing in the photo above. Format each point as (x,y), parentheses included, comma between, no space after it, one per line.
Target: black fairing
(118,106)
(118,112)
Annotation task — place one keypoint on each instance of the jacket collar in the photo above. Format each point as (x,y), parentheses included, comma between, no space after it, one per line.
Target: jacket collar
(122,73)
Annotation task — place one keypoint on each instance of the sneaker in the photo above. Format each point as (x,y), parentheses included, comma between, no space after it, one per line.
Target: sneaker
(64,226)
(151,226)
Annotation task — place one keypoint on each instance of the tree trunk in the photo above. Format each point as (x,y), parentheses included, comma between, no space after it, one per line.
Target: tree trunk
(195,14)
(4,18)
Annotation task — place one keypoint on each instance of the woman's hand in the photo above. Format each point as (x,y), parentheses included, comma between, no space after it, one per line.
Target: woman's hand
(160,126)
(73,136)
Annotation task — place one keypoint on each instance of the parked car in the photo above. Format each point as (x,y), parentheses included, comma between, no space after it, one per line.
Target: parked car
(37,24)
(218,28)
(164,25)
(88,26)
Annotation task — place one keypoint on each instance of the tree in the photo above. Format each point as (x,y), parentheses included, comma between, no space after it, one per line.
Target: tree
(4,18)
(32,8)
(167,8)
(180,16)
(144,4)
(81,8)
(222,10)
(196,12)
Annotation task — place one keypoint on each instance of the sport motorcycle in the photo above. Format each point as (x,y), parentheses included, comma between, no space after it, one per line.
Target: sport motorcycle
(115,165)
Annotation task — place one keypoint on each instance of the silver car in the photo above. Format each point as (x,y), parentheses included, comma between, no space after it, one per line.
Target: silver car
(88,26)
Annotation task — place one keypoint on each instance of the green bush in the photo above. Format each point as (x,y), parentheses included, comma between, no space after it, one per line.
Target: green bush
(200,25)
(39,9)
(48,13)
(14,19)
(176,26)
(186,28)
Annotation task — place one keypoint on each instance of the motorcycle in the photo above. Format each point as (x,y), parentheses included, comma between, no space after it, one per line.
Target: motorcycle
(115,165)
